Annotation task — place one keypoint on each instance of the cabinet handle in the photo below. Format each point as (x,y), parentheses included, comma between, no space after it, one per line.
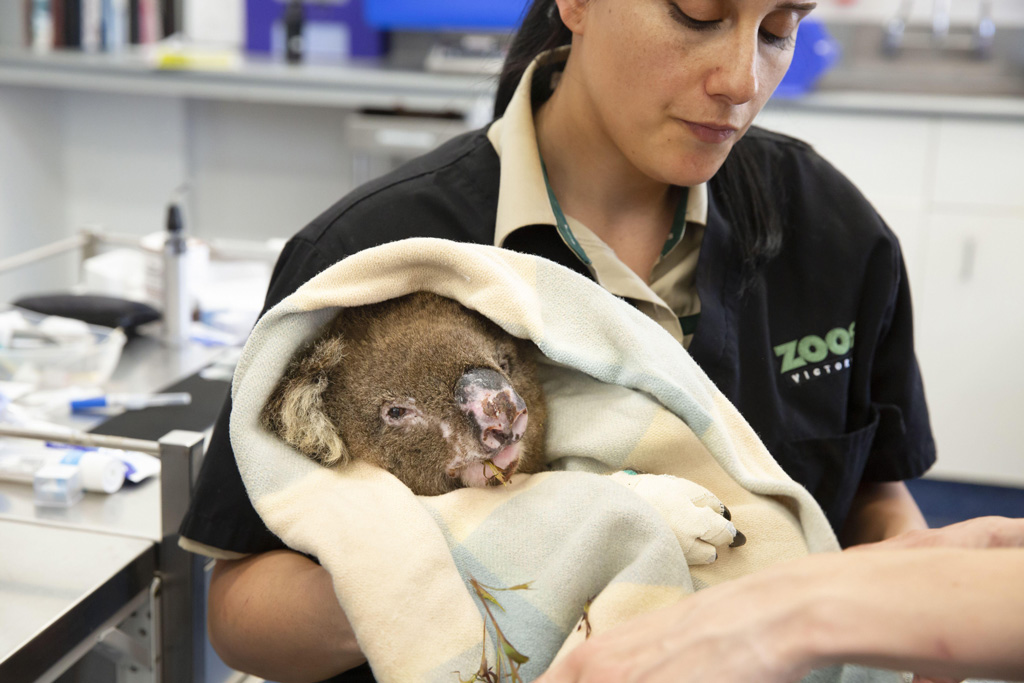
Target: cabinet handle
(967,257)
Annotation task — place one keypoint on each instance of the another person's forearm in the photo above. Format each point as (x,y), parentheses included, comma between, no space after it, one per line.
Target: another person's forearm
(939,612)
(950,606)
(881,510)
(275,615)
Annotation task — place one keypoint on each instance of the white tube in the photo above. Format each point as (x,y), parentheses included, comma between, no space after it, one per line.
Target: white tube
(101,470)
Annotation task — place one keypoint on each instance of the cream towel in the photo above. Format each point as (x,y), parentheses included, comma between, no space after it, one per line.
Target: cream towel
(622,394)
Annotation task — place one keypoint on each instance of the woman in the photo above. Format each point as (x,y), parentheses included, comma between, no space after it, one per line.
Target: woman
(627,155)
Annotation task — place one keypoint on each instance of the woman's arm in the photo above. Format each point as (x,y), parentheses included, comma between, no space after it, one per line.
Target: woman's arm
(881,510)
(943,612)
(980,532)
(275,615)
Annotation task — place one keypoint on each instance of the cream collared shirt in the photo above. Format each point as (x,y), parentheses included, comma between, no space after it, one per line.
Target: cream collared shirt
(523,201)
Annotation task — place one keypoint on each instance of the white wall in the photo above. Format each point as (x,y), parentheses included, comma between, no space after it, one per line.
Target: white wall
(33,187)
(70,160)
(123,157)
(262,171)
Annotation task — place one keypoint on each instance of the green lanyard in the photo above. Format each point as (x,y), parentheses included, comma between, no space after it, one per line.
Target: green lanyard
(676,234)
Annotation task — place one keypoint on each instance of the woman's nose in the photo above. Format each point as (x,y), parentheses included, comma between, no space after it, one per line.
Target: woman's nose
(735,76)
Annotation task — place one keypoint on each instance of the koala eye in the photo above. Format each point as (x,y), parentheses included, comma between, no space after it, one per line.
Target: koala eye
(398,414)
(505,363)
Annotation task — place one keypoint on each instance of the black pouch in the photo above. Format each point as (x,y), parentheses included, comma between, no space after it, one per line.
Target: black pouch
(106,311)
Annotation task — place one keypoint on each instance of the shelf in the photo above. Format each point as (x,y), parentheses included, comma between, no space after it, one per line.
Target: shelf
(351,85)
(376,85)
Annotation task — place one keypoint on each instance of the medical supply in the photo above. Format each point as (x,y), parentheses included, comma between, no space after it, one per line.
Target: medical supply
(98,470)
(51,352)
(57,486)
(131,401)
(141,466)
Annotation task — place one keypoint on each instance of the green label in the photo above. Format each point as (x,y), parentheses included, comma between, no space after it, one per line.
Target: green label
(815,349)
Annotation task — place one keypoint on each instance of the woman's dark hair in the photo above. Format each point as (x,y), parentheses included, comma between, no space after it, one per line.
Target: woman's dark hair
(541,30)
(742,185)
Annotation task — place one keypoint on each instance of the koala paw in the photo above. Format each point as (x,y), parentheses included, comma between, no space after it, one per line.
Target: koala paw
(698,518)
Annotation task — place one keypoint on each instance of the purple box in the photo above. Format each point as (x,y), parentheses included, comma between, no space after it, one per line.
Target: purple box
(331,27)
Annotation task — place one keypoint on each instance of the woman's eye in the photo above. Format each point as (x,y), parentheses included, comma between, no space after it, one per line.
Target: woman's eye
(689,22)
(779,29)
(777,41)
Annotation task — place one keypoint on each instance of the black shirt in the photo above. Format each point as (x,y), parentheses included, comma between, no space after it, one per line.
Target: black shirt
(817,354)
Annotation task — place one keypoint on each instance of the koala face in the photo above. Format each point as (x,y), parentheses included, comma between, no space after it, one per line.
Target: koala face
(421,386)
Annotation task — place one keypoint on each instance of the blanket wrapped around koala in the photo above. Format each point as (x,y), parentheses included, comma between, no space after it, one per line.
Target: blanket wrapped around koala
(622,394)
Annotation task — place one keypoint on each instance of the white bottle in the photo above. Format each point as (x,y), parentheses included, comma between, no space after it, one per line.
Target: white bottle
(176,298)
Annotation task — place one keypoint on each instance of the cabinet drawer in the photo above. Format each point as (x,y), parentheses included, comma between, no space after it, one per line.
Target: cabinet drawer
(979,163)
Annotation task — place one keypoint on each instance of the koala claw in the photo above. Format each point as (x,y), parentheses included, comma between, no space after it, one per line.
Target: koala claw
(702,523)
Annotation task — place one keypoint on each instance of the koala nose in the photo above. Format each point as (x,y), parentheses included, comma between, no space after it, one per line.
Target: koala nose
(499,413)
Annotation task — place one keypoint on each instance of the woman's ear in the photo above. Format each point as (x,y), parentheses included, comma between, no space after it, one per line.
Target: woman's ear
(573,13)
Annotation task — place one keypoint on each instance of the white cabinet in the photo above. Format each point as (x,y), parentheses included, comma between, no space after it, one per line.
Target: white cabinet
(979,164)
(971,344)
(971,320)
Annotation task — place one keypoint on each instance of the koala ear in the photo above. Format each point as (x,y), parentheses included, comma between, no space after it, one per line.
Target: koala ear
(296,411)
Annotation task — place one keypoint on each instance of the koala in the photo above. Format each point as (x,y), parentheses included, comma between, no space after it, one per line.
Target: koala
(434,393)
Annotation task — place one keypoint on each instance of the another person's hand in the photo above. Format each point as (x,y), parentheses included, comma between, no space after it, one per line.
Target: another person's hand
(946,612)
(979,533)
(734,633)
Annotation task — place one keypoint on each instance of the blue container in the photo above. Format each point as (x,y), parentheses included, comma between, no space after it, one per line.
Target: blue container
(445,15)
(815,52)
(343,23)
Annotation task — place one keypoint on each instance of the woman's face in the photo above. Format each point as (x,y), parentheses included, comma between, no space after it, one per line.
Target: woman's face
(673,84)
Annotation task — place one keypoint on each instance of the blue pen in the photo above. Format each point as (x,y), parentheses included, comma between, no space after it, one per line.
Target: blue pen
(131,401)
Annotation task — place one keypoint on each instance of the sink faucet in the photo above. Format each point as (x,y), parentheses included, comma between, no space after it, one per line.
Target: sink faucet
(896,27)
(985,32)
(892,39)
(940,21)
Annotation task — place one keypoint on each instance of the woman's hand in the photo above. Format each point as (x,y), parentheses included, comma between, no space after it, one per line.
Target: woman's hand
(979,533)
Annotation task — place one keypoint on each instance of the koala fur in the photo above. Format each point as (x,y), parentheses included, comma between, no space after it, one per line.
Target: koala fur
(419,385)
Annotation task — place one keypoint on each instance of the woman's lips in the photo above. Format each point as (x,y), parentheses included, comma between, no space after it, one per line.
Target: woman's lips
(709,132)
